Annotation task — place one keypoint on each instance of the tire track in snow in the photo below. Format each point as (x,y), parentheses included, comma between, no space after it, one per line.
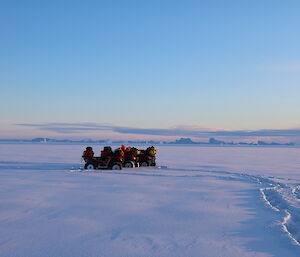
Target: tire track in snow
(280,197)
(296,192)
(284,225)
(262,191)
(278,202)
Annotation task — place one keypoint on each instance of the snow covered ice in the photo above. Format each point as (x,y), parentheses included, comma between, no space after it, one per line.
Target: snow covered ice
(209,201)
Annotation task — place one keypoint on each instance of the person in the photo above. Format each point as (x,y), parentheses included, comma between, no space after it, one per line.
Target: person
(88,154)
(119,153)
(151,150)
(123,148)
(106,152)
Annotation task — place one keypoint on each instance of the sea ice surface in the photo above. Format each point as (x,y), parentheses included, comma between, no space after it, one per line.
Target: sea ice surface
(202,201)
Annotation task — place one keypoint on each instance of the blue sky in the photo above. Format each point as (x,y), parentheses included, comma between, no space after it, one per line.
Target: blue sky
(229,65)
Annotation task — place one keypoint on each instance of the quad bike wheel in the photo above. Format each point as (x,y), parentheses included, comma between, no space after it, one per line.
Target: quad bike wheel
(129,164)
(116,166)
(144,164)
(89,166)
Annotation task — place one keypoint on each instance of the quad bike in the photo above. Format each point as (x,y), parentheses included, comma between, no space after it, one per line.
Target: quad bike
(131,157)
(147,157)
(107,160)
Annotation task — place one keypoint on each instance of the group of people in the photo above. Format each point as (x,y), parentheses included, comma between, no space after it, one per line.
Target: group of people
(107,151)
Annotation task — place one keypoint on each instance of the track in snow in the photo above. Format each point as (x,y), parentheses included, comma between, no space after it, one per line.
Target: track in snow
(280,197)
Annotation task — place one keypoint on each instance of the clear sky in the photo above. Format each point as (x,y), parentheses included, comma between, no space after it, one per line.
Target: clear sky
(157,64)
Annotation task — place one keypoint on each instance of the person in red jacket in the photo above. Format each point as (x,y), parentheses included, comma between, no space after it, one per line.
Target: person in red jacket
(119,153)
(88,154)
(106,152)
(123,148)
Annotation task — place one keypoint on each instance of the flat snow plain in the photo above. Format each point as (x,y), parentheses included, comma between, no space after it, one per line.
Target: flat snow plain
(208,202)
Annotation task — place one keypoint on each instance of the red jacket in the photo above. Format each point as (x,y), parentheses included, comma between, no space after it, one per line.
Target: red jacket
(87,155)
